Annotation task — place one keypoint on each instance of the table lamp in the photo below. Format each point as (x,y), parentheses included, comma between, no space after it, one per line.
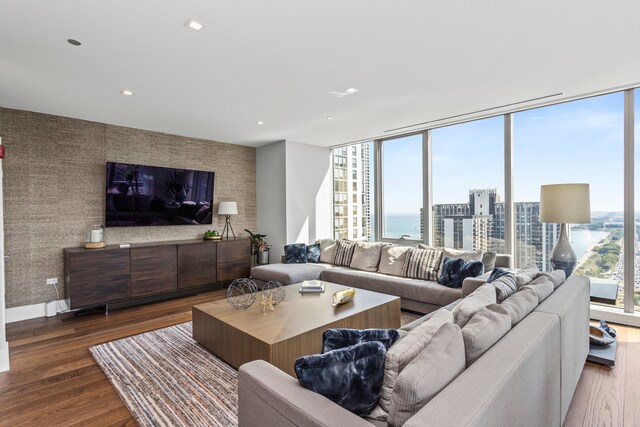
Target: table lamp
(564,204)
(227,209)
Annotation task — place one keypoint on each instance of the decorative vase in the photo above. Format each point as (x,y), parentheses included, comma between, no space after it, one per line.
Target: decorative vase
(263,257)
(563,256)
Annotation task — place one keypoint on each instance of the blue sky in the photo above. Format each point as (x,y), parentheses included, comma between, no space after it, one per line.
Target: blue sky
(581,141)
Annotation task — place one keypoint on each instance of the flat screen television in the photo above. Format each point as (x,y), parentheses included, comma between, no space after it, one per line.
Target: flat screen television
(139,195)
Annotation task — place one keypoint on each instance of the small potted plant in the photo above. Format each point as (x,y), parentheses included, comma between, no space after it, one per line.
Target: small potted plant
(256,239)
(263,252)
(211,235)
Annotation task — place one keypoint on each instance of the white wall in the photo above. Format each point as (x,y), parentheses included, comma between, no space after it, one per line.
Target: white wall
(293,194)
(271,196)
(308,192)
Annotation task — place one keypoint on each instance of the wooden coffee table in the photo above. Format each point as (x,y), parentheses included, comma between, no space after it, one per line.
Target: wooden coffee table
(294,329)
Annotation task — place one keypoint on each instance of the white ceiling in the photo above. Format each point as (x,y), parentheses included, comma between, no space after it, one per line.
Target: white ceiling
(279,60)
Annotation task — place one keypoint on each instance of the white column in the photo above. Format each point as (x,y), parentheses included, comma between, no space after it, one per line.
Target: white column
(629,217)
(509,218)
(4,345)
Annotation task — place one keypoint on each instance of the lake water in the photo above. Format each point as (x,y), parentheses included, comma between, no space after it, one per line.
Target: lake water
(582,239)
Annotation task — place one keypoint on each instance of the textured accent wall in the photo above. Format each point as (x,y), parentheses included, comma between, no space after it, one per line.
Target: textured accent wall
(54,189)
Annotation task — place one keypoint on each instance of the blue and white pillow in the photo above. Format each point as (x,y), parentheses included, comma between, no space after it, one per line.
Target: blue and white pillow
(333,339)
(454,271)
(295,253)
(313,253)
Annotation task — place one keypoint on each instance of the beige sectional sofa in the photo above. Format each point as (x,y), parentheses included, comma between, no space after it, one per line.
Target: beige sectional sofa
(527,378)
(418,295)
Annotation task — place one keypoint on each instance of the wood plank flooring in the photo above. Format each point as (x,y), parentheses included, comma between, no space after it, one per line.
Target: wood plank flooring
(55,381)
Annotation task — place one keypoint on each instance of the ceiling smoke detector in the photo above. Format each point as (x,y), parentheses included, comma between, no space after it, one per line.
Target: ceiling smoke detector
(345,92)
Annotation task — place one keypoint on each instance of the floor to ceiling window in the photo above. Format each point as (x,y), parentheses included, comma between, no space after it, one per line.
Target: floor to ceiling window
(402,188)
(468,182)
(352,182)
(636,257)
(574,142)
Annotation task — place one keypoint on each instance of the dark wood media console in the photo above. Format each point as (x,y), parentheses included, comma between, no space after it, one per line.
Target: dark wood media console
(147,270)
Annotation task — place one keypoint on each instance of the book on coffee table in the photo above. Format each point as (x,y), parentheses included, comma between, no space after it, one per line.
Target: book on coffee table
(312,286)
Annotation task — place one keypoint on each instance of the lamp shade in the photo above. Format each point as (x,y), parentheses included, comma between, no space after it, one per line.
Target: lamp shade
(565,204)
(227,208)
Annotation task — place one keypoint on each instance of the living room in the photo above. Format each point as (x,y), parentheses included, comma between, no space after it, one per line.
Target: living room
(362,121)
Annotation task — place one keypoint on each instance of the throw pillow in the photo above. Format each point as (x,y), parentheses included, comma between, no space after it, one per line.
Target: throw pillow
(489,260)
(295,253)
(439,363)
(450,271)
(470,269)
(350,376)
(405,350)
(481,297)
(392,259)
(505,286)
(327,250)
(557,277)
(313,253)
(333,339)
(520,304)
(543,287)
(485,328)
(422,264)
(526,274)
(366,256)
(497,272)
(344,252)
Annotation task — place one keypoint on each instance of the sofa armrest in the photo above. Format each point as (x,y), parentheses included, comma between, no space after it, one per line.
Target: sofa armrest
(269,397)
(470,284)
(504,261)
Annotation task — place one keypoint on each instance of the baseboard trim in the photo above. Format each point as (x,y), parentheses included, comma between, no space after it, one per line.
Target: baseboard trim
(33,311)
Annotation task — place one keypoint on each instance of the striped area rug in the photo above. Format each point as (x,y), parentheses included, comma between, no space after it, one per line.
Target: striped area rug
(165,378)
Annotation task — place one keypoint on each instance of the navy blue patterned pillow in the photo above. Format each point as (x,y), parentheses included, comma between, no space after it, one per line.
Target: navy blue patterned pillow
(497,272)
(313,253)
(451,269)
(471,269)
(333,339)
(350,376)
(295,253)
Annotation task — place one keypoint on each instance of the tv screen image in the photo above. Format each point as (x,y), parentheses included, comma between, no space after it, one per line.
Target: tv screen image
(139,195)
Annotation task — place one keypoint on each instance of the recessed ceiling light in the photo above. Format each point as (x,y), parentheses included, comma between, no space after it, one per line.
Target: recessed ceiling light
(345,92)
(194,25)
(74,42)
(329,118)
(351,90)
(126,92)
(259,122)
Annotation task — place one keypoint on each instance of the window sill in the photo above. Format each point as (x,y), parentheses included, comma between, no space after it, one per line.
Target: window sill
(614,315)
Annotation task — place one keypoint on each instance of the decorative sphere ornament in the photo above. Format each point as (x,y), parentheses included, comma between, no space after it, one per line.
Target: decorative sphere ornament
(275,289)
(242,293)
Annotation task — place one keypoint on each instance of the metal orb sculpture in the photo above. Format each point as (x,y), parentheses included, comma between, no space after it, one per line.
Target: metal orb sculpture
(275,289)
(242,293)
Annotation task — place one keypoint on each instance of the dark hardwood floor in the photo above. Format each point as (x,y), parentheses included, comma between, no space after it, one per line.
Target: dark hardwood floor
(55,381)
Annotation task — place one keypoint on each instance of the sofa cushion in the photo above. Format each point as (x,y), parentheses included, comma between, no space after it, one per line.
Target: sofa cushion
(481,297)
(485,328)
(520,304)
(392,259)
(295,253)
(344,252)
(350,376)
(313,252)
(406,349)
(489,260)
(422,264)
(542,286)
(526,274)
(366,256)
(505,286)
(333,339)
(557,277)
(327,250)
(288,274)
(439,363)
(411,289)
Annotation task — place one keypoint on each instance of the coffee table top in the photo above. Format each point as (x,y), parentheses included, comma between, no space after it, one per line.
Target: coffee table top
(296,314)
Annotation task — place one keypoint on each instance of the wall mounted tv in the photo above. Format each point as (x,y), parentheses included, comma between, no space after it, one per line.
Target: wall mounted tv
(139,195)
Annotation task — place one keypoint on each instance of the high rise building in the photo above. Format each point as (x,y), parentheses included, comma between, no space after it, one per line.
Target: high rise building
(351,186)
(480,224)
